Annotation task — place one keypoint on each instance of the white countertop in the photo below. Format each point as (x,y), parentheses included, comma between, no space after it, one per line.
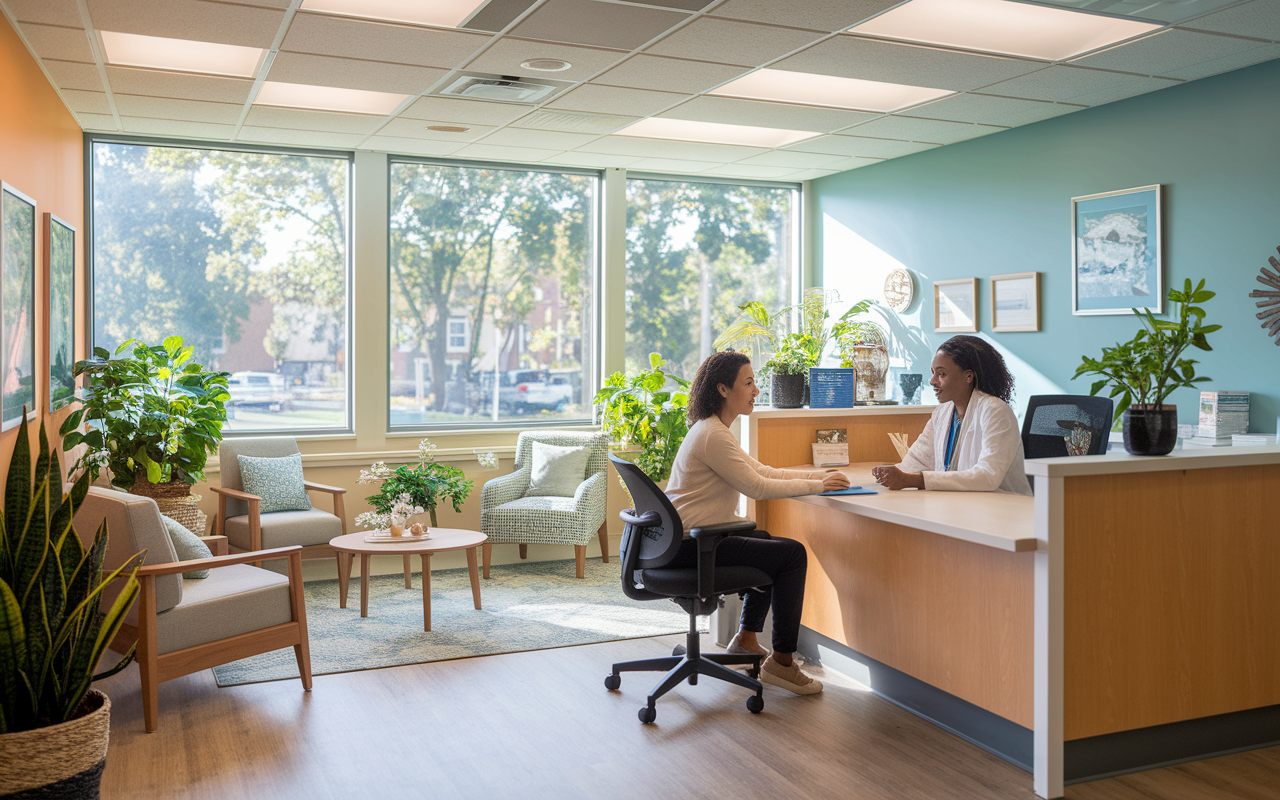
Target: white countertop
(768,412)
(993,519)
(1117,463)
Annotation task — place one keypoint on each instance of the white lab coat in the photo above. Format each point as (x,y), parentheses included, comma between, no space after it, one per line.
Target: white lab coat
(989,445)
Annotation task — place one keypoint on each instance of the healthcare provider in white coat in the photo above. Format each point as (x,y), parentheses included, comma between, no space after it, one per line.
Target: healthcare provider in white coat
(972,442)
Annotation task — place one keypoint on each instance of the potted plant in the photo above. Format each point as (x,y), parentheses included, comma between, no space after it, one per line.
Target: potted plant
(789,368)
(411,488)
(641,412)
(153,417)
(1144,370)
(53,726)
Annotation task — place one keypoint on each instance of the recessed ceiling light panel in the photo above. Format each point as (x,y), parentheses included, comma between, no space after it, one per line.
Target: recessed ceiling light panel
(1002,26)
(437,13)
(180,55)
(781,86)
(327,98)
(448,128)
(714,132)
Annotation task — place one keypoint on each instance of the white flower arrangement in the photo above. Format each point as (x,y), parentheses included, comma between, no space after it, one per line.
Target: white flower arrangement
(372,519)
(488,460)
(404,508)
(377,473)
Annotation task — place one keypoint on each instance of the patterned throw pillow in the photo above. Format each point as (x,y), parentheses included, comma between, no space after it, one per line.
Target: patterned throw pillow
(557,471)
(278,481)
(187,545)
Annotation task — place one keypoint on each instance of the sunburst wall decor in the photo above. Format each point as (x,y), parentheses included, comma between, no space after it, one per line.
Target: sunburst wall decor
(1270,301)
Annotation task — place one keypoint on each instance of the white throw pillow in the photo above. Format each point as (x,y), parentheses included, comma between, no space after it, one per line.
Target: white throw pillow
(557,471)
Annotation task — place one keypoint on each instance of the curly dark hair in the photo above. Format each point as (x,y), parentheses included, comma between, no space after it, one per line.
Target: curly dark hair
(704,396)
(990,374)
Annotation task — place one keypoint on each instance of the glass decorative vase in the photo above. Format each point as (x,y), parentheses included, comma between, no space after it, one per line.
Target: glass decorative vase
(397,525)
(872,363)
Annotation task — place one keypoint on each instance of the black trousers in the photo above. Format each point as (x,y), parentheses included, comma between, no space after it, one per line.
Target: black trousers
(783,560)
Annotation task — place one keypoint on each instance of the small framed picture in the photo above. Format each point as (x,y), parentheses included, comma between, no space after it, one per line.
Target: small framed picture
(17,305)
(60,278)
(955,306)
(1116,252)
(1015,302)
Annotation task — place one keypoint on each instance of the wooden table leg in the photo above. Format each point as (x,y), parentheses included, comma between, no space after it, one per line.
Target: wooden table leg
(408,572)
(426,591)
(344,577)
(364,584)
(475,575)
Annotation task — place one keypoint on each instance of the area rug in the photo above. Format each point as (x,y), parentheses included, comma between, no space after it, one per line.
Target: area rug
(526,606)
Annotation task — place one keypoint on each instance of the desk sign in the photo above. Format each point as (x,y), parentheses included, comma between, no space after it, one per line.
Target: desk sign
(832,388)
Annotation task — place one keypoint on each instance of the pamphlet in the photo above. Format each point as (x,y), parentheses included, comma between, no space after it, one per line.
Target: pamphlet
(832,448)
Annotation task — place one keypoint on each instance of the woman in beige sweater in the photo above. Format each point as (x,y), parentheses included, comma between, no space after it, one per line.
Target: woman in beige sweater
(710,473)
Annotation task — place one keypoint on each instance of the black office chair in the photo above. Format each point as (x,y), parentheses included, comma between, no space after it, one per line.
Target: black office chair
(650,540)
(1066,425)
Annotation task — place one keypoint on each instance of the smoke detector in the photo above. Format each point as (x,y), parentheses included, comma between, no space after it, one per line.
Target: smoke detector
(546,64)
(502,89)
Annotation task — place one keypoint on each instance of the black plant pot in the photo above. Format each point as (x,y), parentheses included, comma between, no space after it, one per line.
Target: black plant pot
(787,391)
(1150,431)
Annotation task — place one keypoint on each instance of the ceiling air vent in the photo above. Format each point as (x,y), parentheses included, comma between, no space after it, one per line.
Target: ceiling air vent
(504,89)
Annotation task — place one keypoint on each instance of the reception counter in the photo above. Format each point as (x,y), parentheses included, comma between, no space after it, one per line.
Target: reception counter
(1126,616)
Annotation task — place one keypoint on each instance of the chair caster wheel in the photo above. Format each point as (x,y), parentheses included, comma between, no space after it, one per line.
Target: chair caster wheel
(755,704)
(612,682)
(679,650)
(648,714)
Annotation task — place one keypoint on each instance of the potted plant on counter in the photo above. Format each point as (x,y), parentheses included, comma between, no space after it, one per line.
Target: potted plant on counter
(789,368)
(53,726)
(1143,371)
(642,413)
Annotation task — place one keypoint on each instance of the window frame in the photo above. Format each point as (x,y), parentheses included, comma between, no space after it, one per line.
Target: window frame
(90,139)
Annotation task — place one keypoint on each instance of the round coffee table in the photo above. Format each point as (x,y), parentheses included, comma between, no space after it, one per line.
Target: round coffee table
(442,540)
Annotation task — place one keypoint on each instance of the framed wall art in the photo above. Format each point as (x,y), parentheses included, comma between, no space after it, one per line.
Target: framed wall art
(17,304)
(1015,302)
(60,277)
(1117,255)
(955,306)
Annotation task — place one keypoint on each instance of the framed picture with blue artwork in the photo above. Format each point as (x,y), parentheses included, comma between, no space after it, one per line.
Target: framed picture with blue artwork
(1117,252)
(17,305)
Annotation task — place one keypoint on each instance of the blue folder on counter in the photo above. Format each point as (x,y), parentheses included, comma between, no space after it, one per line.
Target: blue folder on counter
(849,490)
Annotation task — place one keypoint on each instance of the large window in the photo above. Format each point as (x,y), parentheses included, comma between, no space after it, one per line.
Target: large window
(244,255)
(492,275)
(697,251)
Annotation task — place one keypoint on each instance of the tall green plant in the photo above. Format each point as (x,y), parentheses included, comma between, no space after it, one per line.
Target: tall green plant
(642,411)
(1148,367)
(52,631)
(154,413)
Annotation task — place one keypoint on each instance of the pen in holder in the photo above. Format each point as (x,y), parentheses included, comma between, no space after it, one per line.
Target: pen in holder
(900,443)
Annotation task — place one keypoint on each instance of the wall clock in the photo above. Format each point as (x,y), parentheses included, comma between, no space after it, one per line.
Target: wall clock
(1270,299)
(899,290)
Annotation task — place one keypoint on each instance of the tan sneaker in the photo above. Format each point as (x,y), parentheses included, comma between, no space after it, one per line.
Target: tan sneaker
(791,678)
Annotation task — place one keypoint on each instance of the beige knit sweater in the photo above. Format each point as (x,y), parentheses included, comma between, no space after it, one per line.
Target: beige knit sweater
(711,470)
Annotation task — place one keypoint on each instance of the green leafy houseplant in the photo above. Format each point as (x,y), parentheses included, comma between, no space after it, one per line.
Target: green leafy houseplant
(850,332)
(643,412)
(797,353)
(153,416)
(426,483)
(52,631)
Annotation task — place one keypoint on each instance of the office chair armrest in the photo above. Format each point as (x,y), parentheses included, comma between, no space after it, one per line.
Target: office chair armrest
(708,538)
(646,520)
(736,528)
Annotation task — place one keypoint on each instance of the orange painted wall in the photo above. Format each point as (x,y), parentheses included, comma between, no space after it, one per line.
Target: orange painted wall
(42,156)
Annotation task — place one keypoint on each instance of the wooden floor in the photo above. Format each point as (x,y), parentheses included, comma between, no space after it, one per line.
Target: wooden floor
(541,725)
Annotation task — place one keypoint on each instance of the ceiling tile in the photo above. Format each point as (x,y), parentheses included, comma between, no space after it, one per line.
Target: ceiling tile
(170,127)
(663,148)
(1227,63)
(512,154)
(591,160)
(674,165)
(189,19)
(506,55)
(88,102)
(731,42)
(74,75)
(810,174)
(178,85)
(550,119)
(612,100)
(989,110)
(922,130)
(347,73)
(855,163)
(733,111)
(133,105)
(1077,85)
(1259,19)
(597,24)
(66,44)
(669,74)
(748,171)
(417,129)
(374,41)
(890,62)
(1168,51)
(818,15)
(793,159)
(96,122)
(302,119)
(546,140)
(413,147)
(449,109)
(47,12)
(861,146)
(249,133)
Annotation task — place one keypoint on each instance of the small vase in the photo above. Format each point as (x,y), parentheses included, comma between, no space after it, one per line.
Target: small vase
(397,525)
(1150,431)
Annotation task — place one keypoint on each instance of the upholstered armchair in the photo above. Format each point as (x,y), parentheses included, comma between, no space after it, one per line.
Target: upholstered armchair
(509,514)
(184,625)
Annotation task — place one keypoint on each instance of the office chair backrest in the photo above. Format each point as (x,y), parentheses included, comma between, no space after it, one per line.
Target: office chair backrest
(656,544)
(1066,425)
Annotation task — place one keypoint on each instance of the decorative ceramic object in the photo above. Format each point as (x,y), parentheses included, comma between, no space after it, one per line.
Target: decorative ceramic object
(899,290)
(1269,299)
(872,363)
(416,529)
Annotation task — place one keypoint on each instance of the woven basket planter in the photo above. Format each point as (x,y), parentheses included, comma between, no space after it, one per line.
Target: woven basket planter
(59,762)
(185,511)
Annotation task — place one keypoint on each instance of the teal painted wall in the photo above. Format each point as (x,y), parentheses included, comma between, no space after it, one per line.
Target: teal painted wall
(1002,204)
